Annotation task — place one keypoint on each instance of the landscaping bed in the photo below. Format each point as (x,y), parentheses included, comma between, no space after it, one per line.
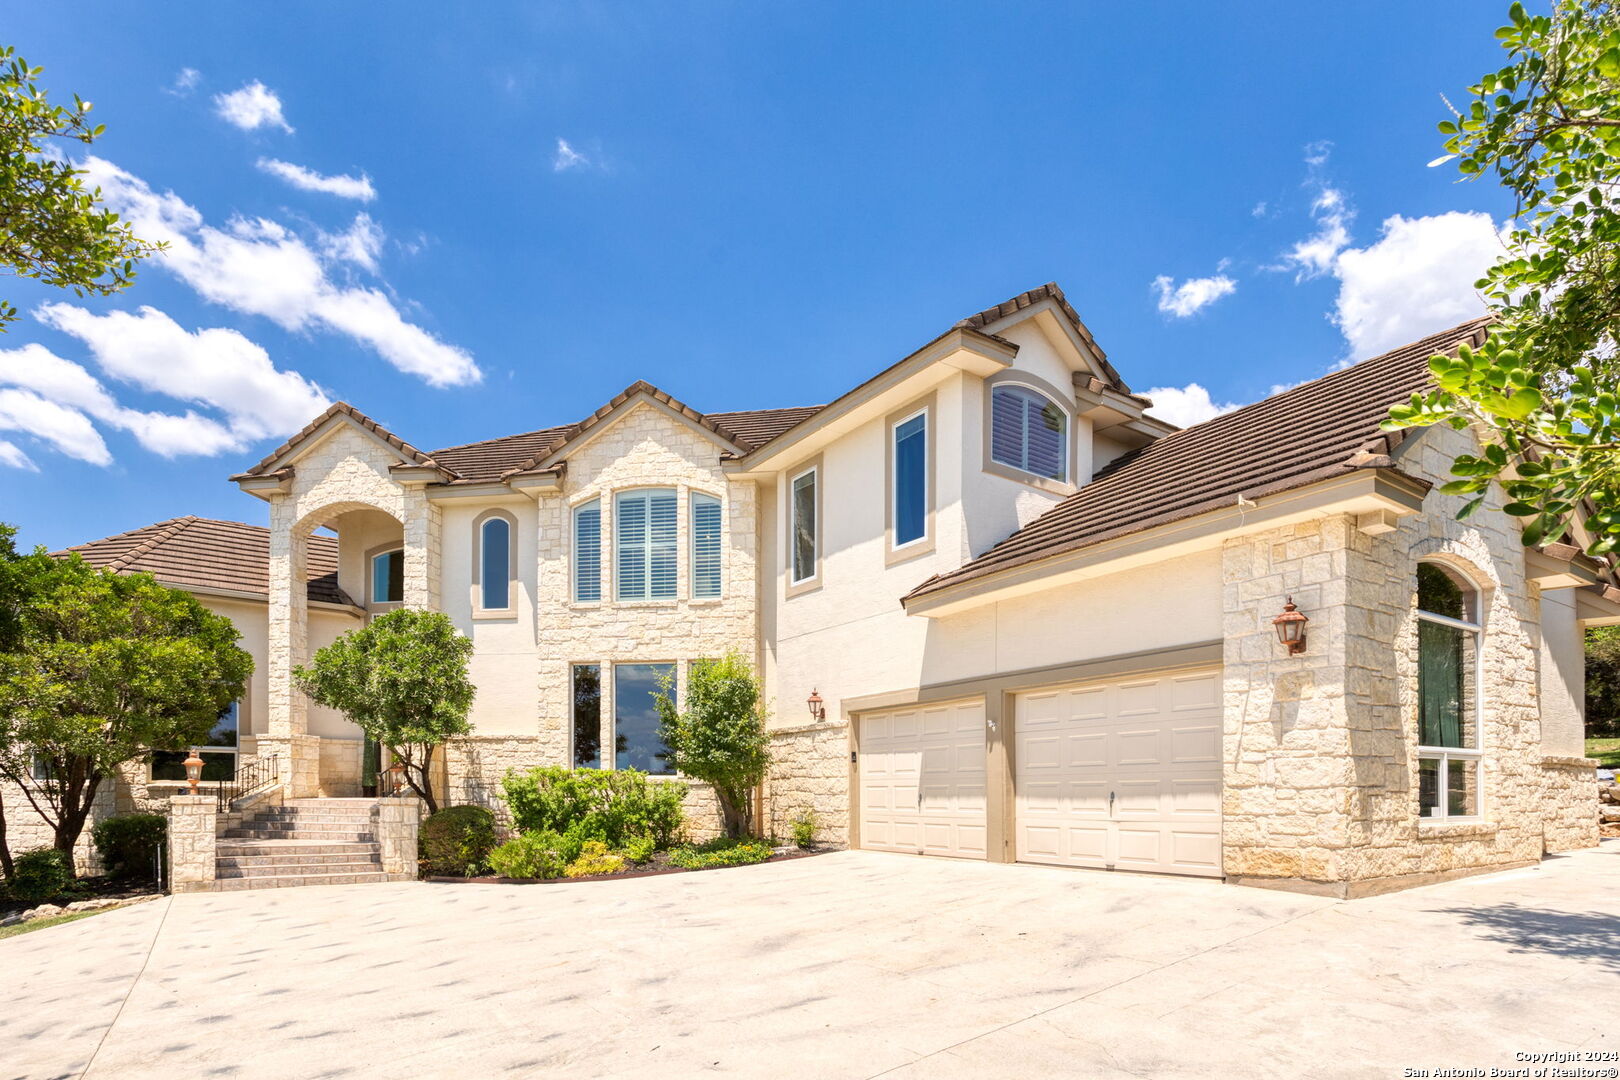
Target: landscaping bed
(82,890)
(659,864)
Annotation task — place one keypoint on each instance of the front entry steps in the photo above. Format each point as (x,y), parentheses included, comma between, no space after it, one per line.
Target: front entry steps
(301,842)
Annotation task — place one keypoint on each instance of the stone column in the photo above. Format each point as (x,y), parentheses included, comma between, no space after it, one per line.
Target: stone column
(397,820)
(422,529)
(191,843)
(287,733)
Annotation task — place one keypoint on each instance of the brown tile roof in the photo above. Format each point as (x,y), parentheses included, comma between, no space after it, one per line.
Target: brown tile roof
(406,450)
(1312,432)
(202,553)
(1049,291)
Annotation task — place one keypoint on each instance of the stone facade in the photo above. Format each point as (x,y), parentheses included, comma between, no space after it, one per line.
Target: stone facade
(809,773)
(192,843)
(398,819)
(475,764)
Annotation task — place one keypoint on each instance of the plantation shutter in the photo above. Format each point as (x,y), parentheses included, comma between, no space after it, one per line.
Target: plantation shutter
(588,552)
(662,542)
(646,538)
(705,546)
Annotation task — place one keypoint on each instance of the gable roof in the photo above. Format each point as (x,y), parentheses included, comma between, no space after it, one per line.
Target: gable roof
(344,409)
(1312,432)
(1049,291)
(202,553)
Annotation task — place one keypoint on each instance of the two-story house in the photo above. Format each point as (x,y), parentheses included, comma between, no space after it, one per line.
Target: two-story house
(1000,611)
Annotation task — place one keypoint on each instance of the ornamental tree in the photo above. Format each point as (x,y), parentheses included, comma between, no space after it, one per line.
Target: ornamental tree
(101,669)
(54,229)
(1543,388)
(720,736)
(402,679)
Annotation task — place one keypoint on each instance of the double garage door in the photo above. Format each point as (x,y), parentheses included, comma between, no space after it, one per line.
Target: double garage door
(1123,774)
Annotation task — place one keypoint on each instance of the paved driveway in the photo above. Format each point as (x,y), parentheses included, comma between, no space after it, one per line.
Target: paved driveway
(848,965)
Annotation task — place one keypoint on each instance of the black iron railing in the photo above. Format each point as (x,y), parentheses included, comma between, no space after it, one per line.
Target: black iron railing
(259,774)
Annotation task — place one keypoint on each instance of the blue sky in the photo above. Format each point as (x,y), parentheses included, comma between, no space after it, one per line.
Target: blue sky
(475,226)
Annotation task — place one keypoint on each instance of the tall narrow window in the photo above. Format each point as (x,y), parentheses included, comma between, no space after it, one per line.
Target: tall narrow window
(588,552)
(910,479)
(645,535)
(705,546)
(1448,708)
(587,716)
(1028,432)
(388,578)
(494,564)
(803,534)
(636,744)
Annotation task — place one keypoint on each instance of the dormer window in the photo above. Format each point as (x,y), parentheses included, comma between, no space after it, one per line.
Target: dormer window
(1029,432)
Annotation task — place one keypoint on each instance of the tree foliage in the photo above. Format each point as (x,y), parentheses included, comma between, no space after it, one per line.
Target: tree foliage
(51,226)
(1543,387)
(403,679)
(1603,680)
(720,737)
(103,668)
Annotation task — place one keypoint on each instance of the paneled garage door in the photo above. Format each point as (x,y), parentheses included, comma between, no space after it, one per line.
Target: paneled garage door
(922,780)
(1123,774)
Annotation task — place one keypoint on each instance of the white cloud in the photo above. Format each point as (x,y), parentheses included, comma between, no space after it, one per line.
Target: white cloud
(360,243)
(344,187)
(253,106)
(260,267)
(568,158)
(1416,279)
(1192,295)
(1187,405)
(185,81)
(1313,256)
(1259,209)
(12,457)
(68,430)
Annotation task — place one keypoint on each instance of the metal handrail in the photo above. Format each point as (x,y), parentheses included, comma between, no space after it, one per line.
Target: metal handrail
(261,773)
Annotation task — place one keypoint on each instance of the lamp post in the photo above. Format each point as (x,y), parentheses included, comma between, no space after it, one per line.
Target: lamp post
(194,768)
(396,777)
(818,710)
(1290,627)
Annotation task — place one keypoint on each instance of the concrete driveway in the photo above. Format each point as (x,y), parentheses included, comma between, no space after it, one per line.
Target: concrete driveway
(854,964)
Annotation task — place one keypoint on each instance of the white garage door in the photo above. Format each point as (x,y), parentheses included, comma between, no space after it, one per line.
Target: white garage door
(1123,774)
(922,780)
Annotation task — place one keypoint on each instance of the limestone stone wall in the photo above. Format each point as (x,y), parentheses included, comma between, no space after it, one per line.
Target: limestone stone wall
(340,768)
(1321,781)
(26,830)
(474,765)
(809,772)
(1568,804)
(192,843)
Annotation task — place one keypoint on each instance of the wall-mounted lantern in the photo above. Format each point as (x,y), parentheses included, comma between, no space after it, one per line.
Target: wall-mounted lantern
(396,778)
(194,768)
(1290,627)
(818,709)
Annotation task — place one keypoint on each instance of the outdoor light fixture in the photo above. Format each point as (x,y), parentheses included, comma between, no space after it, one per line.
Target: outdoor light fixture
(818,711)
(1291,628)
(194,767)
(396,777)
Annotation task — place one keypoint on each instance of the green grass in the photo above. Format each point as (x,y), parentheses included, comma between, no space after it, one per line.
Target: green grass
(40,924)
(1605,750)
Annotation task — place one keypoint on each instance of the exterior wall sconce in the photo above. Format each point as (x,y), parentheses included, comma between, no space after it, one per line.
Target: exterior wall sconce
(396,778)
(194,768)
(1290,626)
(818,710)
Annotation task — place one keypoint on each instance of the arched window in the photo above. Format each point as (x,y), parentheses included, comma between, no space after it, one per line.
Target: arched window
(1028,432)
(388,577)
(497,561)
(588,552)
(1449,635)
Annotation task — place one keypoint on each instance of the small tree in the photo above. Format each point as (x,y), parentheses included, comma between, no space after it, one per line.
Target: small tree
(103,668)
(1603,680)
(403,680)
(720,738)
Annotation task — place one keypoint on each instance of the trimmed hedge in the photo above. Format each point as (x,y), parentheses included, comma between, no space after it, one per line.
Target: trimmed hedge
(458,840)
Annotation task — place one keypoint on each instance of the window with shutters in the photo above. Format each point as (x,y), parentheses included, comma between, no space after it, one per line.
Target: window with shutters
(706,571)
(1028,432)
(588,552)
(644,534)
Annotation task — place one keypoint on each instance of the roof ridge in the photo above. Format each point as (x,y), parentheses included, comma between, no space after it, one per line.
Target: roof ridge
(166,530)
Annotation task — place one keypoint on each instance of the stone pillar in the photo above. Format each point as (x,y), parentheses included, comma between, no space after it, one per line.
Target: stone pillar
(397,820)
(191,843)
(423,531)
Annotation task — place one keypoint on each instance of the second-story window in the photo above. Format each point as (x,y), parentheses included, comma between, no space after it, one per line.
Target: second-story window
(1028,431)
(588,552)
(705,546)
(910,479)
(495,563)
(803,526)
(388,578)
(645,532)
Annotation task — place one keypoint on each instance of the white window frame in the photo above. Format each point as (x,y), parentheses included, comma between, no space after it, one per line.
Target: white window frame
(573,547)
(618,538)
(1444,755)
(481,608)
(894,479)
(1066,457)
(371,575)
(794,582)
(693,496)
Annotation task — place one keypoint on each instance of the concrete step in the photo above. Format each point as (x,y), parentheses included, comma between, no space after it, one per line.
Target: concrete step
(288,880)
(337,804)
(248,848)
(279,869)
(244,862)
(332,836)
(313,817)
(283,824)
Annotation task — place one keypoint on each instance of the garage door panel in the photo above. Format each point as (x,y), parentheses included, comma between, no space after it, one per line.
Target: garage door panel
(922,780)
(1137,784)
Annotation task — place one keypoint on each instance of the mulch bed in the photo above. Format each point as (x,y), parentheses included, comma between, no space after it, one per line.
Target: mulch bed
(92,888)
(655,867)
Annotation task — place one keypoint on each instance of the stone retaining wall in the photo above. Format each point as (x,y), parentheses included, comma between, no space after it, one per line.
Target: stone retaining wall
(809,773)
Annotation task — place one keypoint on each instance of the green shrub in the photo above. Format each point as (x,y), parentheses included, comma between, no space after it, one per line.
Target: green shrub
(804,829)
(613,806)
(41,875)
(129,843)
(595,858)
(531,855)
(639,849)
(458,840)
(724,851)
